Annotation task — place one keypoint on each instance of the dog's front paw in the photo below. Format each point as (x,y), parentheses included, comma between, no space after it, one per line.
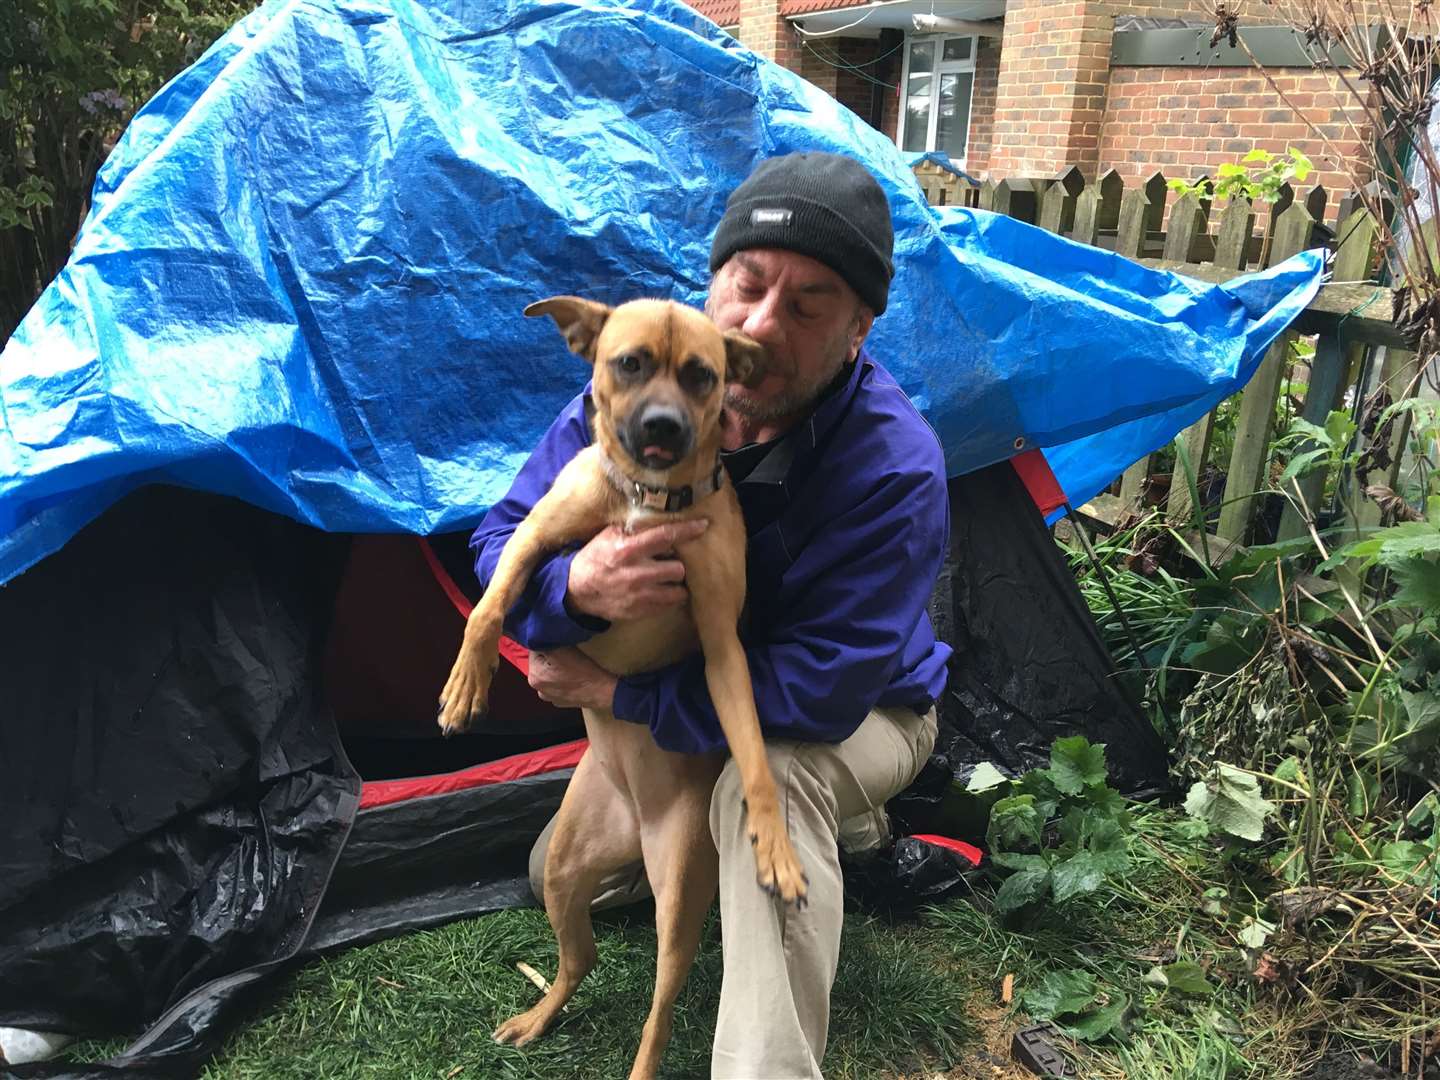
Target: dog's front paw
(462,702)
(777,867)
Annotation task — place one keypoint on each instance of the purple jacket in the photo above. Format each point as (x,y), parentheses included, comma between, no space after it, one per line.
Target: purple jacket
(848,522)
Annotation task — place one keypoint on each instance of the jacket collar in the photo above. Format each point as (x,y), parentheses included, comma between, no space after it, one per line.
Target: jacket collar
(805,436)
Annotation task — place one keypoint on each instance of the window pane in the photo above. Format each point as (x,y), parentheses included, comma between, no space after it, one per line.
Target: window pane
(922,55)
(954,121)
(917,122)
(919,85)
(957,48)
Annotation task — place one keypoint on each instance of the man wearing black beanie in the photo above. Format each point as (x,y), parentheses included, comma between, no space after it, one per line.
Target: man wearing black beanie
(842,484)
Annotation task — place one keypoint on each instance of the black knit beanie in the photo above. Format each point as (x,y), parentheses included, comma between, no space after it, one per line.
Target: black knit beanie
(825,206)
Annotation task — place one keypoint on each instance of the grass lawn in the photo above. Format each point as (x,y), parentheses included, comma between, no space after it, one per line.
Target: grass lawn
(916,996)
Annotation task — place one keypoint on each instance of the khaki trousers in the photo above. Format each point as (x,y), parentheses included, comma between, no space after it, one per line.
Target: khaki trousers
(780,964)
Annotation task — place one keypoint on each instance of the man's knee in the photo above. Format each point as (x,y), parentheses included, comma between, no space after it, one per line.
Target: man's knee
(802,791)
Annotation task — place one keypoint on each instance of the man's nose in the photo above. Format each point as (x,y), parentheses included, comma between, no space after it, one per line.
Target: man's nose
(763,320)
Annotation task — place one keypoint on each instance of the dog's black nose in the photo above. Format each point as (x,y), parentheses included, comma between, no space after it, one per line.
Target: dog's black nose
(662,426)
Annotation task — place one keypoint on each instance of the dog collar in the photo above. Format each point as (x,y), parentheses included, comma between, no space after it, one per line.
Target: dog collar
(663,499)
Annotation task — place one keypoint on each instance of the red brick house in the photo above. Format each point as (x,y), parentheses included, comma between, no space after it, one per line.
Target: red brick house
(1013,88)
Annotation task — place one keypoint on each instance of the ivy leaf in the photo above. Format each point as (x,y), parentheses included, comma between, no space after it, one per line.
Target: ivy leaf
(1401,542)
(1014,822)
(1423,812)
(1037,785)
(1340,428)
(1020,860)
(1072,826)
(1022,888)
(1081,873)
(1255,933)
(1074,763)
(1184,977)
(1407,861)
(1096,1025)
(1059,993)
(1302,166)
(1299,427)
(1302,463)
(1104,799)
(1422,720)
(1231,802)
(1106,844)
(1419,583)
(1362,791)
(984,777)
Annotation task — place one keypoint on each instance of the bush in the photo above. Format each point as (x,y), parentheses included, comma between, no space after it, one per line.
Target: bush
(72,73)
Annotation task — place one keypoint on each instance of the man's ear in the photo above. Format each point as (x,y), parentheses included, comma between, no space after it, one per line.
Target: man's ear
(579,320)
(744,359)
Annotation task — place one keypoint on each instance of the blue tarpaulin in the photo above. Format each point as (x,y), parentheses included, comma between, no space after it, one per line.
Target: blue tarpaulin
(302,277)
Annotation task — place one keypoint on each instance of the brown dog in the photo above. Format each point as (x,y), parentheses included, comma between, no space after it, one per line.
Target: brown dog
(660,373)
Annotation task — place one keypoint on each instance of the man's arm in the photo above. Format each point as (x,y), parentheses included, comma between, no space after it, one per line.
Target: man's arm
(819,672)
(541,618)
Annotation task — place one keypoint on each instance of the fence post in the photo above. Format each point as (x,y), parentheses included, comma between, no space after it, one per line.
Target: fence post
(1087,217)
(1052,208)
(1231,246)
(1112,189)
(1129,237)
(1331,365)
(1257,403)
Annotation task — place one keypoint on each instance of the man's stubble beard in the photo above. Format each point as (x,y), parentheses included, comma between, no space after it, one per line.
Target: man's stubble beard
(797,399)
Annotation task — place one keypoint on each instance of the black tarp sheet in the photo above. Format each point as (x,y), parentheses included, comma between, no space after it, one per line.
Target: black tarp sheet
(181,820)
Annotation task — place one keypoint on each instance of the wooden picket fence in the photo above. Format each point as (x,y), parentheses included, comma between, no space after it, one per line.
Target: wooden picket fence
(1348,319)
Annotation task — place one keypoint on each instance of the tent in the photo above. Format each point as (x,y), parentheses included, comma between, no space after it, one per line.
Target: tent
(245,432)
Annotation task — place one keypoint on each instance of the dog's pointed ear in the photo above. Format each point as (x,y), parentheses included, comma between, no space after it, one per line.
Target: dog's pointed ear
(579,320)
(744,359)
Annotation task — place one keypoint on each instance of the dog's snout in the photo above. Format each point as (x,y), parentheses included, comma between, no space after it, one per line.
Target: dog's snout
(658,435)
(663,425)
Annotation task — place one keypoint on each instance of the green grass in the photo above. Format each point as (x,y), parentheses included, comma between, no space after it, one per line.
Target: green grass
(423,1005)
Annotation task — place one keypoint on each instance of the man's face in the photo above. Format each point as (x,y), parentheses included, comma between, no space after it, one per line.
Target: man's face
(807,318)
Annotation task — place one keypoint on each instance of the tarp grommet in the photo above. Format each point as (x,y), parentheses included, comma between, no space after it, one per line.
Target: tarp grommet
(1019,442)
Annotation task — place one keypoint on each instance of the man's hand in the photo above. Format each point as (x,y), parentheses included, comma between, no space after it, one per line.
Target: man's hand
(569,679)
(619,576)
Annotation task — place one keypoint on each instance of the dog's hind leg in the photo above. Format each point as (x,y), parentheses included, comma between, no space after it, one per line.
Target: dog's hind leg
(595,834)
(683,868)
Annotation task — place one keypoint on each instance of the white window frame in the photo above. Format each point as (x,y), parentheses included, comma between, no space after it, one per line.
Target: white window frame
(940,67)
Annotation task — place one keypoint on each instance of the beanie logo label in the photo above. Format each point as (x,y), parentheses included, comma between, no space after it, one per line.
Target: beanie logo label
(775,216)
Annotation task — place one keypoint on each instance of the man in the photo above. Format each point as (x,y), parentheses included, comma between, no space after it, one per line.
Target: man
(842,485)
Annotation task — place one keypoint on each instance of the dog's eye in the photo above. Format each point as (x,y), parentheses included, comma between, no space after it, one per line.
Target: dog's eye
(629,363)
(697,378)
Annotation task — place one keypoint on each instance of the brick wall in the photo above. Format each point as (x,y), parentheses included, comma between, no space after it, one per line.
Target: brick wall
(982,106)
(849,87)
(1045,97)
(849,80)
(1055,60)
(1187,121)
(817,71)
(767,32)
(853,88)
